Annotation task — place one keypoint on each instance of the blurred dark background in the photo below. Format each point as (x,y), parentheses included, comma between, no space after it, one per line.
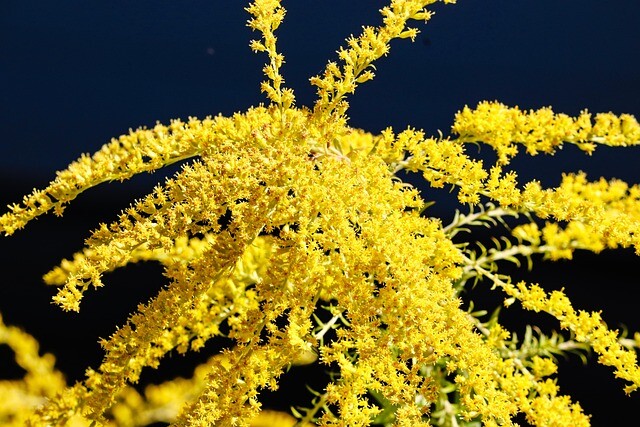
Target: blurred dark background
(74,73)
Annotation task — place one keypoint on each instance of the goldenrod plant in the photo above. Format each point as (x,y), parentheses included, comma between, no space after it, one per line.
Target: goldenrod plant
(293,235)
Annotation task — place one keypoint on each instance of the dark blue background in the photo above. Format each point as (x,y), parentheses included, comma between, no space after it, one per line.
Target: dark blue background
(75,73)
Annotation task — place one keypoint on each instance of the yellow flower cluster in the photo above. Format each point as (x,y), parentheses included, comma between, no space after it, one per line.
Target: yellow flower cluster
(159,403)
(541,130)
(357,59)
(40,381)
(143,150)
(285,211)
(588,327)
